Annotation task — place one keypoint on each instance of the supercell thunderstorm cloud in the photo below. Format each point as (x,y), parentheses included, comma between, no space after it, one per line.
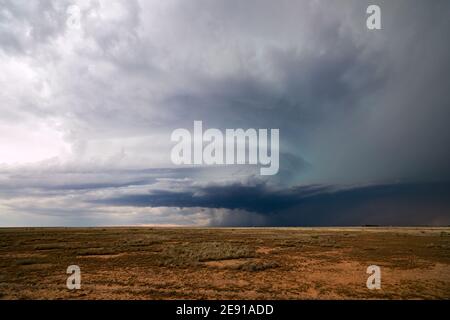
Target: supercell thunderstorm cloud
(90,92)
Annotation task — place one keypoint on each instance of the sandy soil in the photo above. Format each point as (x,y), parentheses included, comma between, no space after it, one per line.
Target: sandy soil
(234,263)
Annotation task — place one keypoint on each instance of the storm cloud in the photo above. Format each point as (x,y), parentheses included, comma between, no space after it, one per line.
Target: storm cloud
(87,110)
(406,204)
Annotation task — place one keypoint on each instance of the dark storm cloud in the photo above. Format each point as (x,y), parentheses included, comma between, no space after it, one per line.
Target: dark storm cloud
(348,101)
(358,105)
(394,204)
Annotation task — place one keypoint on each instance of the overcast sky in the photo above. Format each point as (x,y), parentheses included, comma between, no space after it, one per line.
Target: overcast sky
(88,106)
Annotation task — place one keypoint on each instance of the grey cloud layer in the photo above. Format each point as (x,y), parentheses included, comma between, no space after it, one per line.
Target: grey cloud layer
(182,196)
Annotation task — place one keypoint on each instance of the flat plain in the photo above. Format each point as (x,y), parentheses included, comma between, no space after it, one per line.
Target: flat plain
(225,263)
